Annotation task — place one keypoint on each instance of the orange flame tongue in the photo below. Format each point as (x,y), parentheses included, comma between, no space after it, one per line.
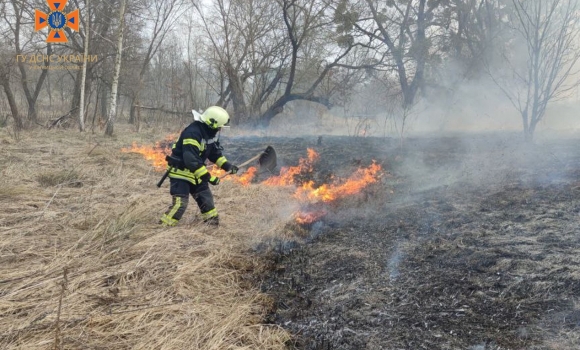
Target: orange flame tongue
(325,193)
(155,154)
(288,174)
(305,218)
(331,192)
(247,177)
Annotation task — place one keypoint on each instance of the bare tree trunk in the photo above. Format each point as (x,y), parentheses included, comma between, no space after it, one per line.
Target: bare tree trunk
(49,90)
(84,72)
(31,96)
(115,84)
(237,95)
(103,107)
(12,102)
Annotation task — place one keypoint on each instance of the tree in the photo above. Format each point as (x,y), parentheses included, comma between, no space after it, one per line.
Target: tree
(6,63)
(269,53)
(311,32)
(473,28)
(20,12)
(160,16)
(247,49)
(549,31)
(99,18)
(115,83)
(408,36)
(5,73)
(84,69)
(407,32)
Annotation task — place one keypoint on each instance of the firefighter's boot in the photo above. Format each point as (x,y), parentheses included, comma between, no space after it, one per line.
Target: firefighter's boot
(213,221)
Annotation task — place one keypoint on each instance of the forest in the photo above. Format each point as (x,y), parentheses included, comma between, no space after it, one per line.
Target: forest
(386,66)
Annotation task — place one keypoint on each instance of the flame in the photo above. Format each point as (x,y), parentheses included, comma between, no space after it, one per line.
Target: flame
(246,178)
(305,218)
(288,174)
(331,192)
(325,193)
(215,171)
(156,153)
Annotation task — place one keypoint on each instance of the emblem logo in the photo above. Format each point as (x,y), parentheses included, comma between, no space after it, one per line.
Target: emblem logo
(57,20)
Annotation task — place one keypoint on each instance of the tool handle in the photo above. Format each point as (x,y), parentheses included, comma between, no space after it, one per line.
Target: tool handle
(243,164)
(249,161)
(163,178)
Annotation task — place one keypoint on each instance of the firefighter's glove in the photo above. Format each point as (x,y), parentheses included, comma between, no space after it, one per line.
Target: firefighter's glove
(214,180)
(230,168)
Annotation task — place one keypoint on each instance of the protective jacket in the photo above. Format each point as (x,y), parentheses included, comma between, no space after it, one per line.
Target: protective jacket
(195,145)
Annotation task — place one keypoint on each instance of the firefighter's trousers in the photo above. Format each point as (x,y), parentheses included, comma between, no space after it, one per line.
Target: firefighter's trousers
(180,191)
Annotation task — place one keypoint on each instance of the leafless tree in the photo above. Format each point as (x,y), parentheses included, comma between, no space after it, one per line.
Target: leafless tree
(247,48)
(100,17)
(159,17)
(21,15)
(6,64)
(192,63)
(84,69)
(407,32)
(472,29)
(267,54)
(117,71)
(549,32)
(311,31)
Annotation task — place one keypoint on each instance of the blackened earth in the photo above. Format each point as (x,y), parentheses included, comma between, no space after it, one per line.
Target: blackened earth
(467,242)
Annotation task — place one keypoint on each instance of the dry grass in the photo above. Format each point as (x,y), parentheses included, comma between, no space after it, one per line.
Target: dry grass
(83,263)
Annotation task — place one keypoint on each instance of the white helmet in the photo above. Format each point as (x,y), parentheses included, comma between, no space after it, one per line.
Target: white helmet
(215,117)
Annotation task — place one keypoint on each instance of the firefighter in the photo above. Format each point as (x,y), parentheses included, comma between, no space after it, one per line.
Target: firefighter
(187,171)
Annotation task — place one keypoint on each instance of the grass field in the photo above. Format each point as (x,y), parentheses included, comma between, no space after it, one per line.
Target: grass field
(84,264)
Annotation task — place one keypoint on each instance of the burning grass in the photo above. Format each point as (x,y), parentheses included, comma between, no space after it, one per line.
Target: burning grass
(299,176)
(88,267)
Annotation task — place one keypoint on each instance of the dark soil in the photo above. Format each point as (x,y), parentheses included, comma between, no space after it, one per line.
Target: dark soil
(466,243)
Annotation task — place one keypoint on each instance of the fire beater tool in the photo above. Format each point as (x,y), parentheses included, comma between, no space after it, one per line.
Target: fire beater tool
(266,159)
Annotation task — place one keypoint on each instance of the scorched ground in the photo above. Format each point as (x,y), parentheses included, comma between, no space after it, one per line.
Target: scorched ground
(468,243)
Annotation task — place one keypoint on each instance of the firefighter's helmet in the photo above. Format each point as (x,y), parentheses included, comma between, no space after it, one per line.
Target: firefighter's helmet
(215,117)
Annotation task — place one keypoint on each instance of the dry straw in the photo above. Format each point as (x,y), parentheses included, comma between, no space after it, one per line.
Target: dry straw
(84,265)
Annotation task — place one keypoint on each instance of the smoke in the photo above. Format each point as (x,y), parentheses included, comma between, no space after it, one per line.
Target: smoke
(452,105)
(458,97)
(479,106)
(393,263)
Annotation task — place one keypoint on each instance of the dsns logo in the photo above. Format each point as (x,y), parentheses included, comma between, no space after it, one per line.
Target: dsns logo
(57,20)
